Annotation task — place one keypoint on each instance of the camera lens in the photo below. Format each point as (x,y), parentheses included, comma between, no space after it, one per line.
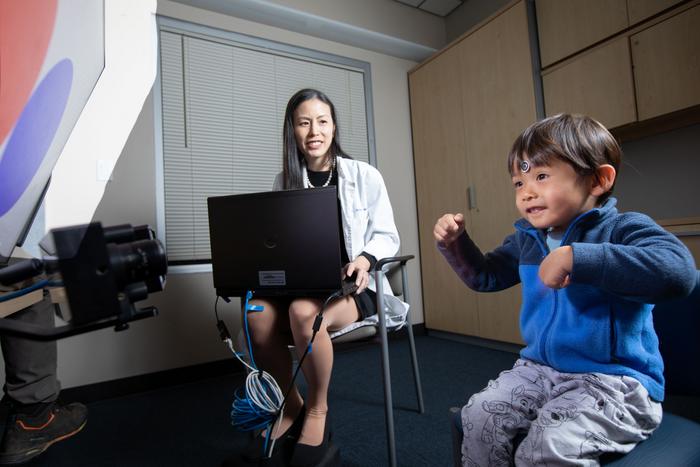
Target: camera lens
(142,260)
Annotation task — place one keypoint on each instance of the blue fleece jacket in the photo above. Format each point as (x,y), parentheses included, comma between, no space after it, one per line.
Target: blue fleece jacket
(602,322)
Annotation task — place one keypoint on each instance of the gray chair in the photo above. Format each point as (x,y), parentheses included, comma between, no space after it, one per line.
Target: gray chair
(399,283)
(677,440)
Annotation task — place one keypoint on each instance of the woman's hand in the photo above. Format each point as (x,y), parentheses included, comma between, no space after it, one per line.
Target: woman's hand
(448,228)
(360,267)
(555,269)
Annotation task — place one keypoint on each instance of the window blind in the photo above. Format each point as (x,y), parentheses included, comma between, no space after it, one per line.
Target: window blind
(222,115)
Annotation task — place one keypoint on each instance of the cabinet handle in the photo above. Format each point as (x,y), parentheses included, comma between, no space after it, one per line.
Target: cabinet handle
(471,197)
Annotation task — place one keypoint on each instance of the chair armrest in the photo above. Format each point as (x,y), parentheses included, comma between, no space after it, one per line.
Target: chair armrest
(379,273)
(393,259)
(398,288)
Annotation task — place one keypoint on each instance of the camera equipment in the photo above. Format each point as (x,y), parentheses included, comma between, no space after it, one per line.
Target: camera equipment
(103,270)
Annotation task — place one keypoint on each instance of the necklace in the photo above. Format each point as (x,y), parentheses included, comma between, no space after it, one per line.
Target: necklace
(330,176)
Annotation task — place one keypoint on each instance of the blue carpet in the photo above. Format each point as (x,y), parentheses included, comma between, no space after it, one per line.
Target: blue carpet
(188,425)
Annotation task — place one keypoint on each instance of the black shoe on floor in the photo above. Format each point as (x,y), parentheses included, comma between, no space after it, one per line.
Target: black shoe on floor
(252,455)
(325,454)
(29,434)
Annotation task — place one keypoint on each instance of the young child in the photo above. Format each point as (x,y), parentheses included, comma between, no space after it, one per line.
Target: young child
(590,378)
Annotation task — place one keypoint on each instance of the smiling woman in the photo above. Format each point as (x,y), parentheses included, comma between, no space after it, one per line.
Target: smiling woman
(312,157)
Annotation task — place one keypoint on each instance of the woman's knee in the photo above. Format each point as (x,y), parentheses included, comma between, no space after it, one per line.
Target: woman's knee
(302,313)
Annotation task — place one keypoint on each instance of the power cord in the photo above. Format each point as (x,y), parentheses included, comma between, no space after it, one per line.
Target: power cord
(262,403)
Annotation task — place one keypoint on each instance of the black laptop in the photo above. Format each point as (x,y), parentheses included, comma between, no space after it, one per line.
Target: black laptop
(276,243)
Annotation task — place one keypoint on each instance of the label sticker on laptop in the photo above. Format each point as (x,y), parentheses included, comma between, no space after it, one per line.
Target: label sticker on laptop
(272,278)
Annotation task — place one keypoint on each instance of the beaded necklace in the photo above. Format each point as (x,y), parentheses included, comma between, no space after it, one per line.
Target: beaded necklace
(330,176)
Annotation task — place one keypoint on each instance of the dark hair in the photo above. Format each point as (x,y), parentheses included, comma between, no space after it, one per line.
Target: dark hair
(578,140)
(292,157)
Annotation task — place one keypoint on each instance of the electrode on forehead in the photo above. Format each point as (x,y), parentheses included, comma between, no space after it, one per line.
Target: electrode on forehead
(524,166)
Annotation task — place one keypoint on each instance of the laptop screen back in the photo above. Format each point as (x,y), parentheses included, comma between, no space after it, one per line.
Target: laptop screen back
(276,243)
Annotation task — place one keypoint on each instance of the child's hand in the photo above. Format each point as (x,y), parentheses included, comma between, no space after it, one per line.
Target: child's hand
(448,228)
(556,268)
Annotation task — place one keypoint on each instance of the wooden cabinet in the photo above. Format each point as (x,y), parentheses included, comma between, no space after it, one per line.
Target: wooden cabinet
(645,71)
(468,104)
(498,103)
(567,26)
(666,60)
(440,170)
(598,83)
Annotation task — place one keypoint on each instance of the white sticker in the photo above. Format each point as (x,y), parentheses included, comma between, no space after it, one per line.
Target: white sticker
(272,278)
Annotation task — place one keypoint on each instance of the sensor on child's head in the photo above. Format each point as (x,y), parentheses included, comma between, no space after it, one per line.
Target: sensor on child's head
(524,166)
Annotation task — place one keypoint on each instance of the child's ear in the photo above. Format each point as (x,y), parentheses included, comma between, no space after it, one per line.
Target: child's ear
(603,180)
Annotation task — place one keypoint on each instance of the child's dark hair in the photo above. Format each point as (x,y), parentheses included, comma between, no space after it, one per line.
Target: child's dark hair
(577,140)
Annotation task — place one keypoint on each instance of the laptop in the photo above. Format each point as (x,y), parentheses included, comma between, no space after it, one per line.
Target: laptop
(276,243)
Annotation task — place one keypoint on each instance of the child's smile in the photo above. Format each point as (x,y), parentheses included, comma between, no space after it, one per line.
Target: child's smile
(551,196)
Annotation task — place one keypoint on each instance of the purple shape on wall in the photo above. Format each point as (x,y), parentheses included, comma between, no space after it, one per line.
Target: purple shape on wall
(33,134)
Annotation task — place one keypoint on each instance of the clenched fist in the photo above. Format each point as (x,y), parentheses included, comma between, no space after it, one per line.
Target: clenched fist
(556,268)
(448,228)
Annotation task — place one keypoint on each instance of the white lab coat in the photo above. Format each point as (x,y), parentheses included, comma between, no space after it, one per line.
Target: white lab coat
(368,225)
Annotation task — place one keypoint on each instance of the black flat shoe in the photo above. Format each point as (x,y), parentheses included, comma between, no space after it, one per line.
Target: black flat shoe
(325,454)
(252,455)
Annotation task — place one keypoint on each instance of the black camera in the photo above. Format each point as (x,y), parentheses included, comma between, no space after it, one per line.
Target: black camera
(103,270)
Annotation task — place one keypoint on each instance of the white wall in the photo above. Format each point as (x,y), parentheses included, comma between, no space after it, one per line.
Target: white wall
(185,333)
(109,114)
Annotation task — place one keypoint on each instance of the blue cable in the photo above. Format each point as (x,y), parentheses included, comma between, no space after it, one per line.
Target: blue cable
(245,415)
(246,309)
(18,293)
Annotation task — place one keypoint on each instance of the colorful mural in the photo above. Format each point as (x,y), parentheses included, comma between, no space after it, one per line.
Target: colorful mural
(51,55)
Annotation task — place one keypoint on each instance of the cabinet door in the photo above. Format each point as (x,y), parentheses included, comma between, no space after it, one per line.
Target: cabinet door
(567,26)
(597,83)
(498,101)
(666,61)
(440,166)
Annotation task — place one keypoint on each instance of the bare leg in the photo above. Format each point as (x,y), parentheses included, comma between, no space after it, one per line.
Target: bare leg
(269,334)
(319,363)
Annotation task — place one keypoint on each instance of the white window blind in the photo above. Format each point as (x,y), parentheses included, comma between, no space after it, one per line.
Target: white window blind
(222,115)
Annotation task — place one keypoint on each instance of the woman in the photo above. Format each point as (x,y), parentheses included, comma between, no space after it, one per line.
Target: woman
(313,158)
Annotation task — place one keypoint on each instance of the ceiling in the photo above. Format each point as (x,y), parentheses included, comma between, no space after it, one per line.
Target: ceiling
(436,7)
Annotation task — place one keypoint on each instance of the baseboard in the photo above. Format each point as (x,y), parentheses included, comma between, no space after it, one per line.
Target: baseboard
(161,379)
(418,330)
(151,381)
(479,341)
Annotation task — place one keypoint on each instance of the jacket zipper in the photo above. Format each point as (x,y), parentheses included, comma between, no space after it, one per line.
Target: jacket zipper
(545,334)
(613,337)
(535,234)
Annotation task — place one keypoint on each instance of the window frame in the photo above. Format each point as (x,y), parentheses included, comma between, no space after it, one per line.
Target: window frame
(249,42)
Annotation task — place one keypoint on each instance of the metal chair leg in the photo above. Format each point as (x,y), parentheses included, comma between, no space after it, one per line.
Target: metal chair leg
(412,343)
(388,402)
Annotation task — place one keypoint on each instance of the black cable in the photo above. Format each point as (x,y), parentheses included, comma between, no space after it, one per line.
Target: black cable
(316,326)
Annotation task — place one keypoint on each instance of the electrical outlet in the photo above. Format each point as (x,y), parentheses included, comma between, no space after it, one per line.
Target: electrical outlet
(104,171)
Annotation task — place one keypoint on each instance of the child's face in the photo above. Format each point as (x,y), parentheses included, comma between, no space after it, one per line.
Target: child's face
(551,196)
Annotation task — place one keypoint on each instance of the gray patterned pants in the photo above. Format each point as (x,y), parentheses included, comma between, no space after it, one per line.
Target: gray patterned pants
(565,418)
